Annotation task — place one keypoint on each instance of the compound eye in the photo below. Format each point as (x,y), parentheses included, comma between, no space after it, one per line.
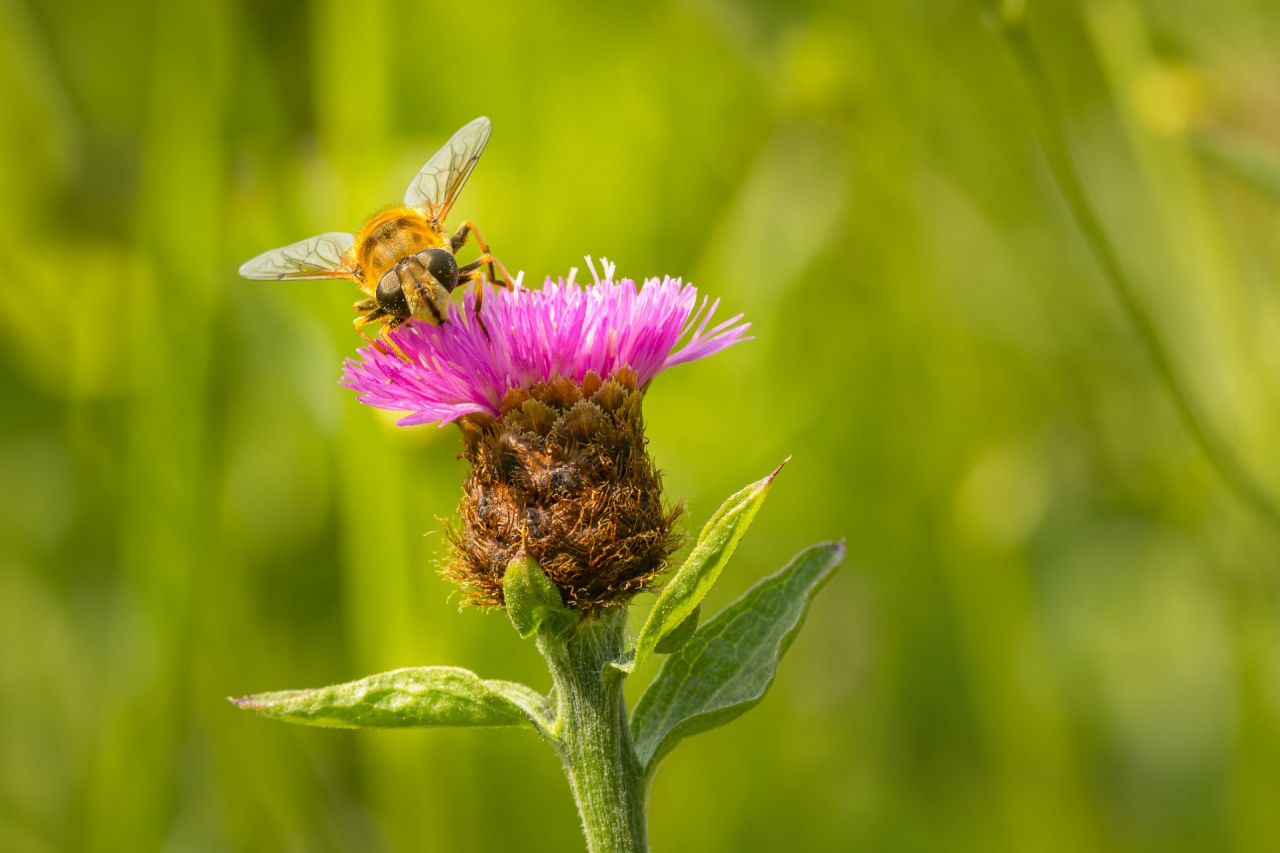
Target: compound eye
(390,295)
(442,266)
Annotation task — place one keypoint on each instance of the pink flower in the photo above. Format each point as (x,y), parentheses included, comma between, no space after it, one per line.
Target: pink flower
(563,329)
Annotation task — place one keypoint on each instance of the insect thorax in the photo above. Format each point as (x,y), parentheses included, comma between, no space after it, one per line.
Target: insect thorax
(390,235)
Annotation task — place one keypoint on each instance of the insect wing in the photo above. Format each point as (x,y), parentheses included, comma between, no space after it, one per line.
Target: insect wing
(436,186)
(322,256)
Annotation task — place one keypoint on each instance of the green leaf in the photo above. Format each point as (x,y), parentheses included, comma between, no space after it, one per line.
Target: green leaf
(715,545)
(532,600)
(406,698)
(728,664)
(680,634)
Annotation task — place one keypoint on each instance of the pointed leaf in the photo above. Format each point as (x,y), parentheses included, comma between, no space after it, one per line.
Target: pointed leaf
(403,698)
(729,663)
(680,634)
(532,600)
(715,545)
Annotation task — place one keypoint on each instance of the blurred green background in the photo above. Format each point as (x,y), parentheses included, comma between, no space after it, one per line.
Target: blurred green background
(1057,631)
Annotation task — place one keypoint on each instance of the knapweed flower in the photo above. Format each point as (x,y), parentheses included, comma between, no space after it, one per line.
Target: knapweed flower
(548,395)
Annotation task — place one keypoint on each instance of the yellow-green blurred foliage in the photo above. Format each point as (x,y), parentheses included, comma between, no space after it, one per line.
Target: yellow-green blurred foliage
(1057,630)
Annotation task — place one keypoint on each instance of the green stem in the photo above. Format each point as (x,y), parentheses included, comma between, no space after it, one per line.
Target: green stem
(593,733)
(1057,152)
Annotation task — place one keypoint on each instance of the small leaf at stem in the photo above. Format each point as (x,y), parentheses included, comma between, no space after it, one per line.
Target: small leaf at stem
(404,698)
(715,545)
(532,600)
(728,664)
(680,634)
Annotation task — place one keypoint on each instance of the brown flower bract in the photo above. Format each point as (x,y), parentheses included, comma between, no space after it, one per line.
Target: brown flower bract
(563,475)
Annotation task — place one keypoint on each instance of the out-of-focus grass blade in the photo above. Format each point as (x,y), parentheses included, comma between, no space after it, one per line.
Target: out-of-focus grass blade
(1244,156)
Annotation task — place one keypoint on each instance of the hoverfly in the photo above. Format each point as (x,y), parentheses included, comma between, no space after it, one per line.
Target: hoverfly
(403,257)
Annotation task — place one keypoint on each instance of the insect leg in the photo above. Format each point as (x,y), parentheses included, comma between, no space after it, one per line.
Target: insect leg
(475,273)
(460,237)
(372,315)
(466,270)
(485,259)
(385,338)
(477,276)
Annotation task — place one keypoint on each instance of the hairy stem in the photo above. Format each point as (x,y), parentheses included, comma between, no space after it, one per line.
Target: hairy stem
(593,733)
(1057,152)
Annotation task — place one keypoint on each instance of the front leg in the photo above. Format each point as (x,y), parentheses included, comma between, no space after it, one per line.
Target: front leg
(372,314)
(386,338)
(369,313)
(472,272)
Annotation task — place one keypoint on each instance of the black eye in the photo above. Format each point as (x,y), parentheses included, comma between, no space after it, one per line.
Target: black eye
(442,266)
(390,296)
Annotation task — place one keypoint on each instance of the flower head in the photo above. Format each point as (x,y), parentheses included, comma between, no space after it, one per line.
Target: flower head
(548,395)
(535,336)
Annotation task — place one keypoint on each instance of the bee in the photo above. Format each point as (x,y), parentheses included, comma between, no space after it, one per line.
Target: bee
(404,258)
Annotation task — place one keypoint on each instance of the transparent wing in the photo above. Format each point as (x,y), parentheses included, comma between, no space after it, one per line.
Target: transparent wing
(437,185)
(321,256)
